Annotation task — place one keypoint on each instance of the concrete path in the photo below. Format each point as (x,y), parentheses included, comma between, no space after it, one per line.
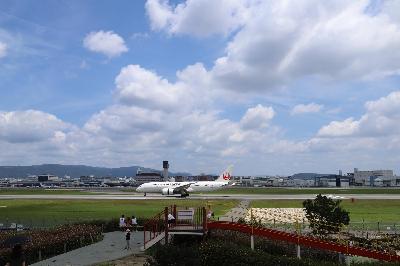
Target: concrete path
(110,248)
(238,212)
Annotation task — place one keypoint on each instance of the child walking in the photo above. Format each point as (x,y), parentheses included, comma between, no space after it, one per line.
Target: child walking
(128,239)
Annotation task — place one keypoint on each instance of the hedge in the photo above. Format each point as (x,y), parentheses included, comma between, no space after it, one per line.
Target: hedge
(51,242)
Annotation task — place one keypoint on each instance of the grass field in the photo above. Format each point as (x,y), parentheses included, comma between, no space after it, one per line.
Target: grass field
(295,191)
(64,211)
(42,191)
(387,211)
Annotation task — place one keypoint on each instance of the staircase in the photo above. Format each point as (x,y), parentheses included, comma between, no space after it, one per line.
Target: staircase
(153,241)
(189,221)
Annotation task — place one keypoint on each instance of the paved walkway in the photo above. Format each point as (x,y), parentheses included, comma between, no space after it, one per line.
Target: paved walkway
(110,248)
(235,213)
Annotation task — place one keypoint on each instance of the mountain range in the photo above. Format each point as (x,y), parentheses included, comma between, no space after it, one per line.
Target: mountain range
(73,171)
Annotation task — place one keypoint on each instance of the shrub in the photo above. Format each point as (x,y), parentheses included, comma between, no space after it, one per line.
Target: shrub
(215,251)
(325,215)
(170,254)
(51,242)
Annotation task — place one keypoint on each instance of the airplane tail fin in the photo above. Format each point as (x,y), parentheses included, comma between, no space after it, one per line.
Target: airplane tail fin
(226,175)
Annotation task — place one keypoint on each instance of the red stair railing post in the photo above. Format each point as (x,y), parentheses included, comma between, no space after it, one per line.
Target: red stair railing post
(174,214)
(166,224)
(204,220)
(144,237)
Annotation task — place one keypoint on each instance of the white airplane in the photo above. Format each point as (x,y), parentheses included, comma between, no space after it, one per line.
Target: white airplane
(183,188)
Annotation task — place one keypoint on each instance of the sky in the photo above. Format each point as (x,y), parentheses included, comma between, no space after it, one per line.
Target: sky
(272,87)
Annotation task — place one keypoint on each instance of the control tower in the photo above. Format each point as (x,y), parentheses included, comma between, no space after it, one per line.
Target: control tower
(165,171)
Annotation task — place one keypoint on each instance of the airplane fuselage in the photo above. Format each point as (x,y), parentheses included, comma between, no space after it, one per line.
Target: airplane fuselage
(199,186)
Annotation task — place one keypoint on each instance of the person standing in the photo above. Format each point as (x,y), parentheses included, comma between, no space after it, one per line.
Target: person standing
(171,219)
(128,239)
(134,222)
(122,223)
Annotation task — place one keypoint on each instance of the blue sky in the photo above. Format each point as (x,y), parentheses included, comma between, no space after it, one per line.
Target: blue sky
(274,87)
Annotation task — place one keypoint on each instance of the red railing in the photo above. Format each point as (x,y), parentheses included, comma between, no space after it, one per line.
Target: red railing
(159,223)
(154,226)
(304,240)
(192,218)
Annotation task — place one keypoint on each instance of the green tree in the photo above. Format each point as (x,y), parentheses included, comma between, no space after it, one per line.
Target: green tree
(325,215)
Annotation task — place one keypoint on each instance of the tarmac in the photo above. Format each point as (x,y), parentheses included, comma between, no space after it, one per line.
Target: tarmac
(110,248)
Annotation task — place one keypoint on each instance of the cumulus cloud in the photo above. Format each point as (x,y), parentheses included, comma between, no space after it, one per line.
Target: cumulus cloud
(277,42)
(306,108)
(3,49)
(339,128)
(146,132)
(105,42)
(380,120)
(30,126)
(257,117)
(117,121)
(153,116)
(283,42)
(142,87)
(200,18)
(270,44)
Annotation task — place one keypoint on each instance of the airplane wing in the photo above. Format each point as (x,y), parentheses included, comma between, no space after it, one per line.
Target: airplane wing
(182,189)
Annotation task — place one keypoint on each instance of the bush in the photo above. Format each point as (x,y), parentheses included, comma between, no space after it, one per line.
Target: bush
(273,247)
(220,252)
(170,254)
(325,215)
(113,224)
(51,242)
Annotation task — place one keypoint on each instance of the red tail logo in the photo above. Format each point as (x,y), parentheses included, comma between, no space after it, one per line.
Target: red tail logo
(226,176)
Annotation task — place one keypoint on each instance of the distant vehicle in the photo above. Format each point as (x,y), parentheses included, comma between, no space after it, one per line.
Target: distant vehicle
(334,197)
(182,189)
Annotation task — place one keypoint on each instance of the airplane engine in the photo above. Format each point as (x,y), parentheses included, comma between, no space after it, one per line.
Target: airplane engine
(168,191)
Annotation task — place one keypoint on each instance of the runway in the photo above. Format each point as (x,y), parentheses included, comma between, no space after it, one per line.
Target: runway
(135,196)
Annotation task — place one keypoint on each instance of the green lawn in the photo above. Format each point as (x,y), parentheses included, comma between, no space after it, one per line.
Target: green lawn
(387,211)
(293,191)
(63,211)
(42,191)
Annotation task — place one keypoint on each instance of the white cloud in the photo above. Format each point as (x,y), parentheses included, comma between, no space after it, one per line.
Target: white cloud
(339,128)
(159,13)
(30,126)
(271,44)
(278,42)
(306,108)
(380,120)
(138,86)
(143,131)
(122,120)
(257,117)
(105,42)
(200,18)
(3,49)
(153,116)
(285,41)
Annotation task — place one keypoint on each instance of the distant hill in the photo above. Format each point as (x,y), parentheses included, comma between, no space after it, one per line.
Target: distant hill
(71,170)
